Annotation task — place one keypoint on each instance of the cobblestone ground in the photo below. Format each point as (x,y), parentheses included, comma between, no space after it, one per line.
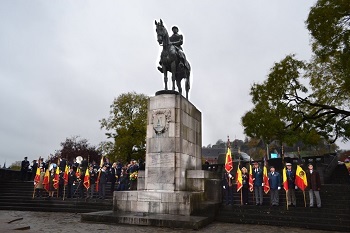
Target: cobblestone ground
(67,222)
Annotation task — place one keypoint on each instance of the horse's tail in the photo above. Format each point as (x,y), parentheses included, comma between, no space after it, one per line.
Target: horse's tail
(188,85)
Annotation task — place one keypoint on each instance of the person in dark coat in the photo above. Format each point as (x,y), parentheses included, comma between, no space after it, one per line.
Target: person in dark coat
(133,171)
(227,185)
(102,182)
(258,183)
(72,179)
(275,186)
(245,185)
(34,168)
(119,170)
(51,182)
(113,176)
(24,168)
(124,180)
(291,200)
(314,186)
(61,184)
(93,177)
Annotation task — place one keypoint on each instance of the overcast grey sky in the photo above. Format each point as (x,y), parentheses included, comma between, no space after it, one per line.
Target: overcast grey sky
(63,62)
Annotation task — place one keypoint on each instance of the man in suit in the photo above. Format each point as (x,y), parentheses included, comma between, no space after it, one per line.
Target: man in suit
(291,200)
(72,179)
(113,176)
(314,185)
(93,177)
(258,184)
(275,186)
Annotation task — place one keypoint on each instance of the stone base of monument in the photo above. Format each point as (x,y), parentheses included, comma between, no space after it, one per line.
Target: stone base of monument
(173,191)
(173,209)
(147,219)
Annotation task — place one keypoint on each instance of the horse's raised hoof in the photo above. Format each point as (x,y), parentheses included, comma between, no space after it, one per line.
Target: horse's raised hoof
(160,69)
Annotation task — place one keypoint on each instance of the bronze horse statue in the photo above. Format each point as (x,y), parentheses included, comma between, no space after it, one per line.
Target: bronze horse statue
(172,59)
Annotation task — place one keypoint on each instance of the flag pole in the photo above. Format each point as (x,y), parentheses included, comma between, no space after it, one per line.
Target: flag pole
(300,161)
(239,163)
(35,176)
(64,192)
(34,191)
(58,187)
(283,171)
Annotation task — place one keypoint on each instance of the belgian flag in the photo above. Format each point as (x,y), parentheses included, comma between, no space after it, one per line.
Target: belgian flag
(300,178)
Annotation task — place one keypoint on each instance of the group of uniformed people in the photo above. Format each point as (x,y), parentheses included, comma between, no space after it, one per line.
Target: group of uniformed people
(73,183)
(274,179)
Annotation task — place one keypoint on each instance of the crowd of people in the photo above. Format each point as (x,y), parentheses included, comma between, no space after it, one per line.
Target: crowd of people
(79,178)
(254,182)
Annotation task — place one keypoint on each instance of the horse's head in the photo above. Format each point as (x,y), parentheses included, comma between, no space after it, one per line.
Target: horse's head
(162,33)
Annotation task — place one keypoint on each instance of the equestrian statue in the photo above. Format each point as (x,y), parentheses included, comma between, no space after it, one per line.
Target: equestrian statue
(172,58)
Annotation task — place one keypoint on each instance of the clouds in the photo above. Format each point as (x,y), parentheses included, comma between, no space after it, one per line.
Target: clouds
(63,62)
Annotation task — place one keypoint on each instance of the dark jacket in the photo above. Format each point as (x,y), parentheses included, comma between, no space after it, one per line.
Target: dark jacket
(227,181)
(71,178)
(274,180)
(103,177)
(313,180)
(113,173)
(257,177)
(93,176)
(291,178)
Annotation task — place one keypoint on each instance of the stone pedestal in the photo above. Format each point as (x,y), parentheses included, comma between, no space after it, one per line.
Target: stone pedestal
(174,141)
(173,182)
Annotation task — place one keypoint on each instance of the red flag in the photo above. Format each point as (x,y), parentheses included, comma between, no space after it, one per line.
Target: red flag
(46,181)
(251,184)
(228,161)
(285,180)
(239,179)
(87,179)
(266,180)
(65,175)
(56,179)
(300,178)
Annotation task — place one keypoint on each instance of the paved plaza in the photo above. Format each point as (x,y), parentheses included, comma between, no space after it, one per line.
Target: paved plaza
(70,222)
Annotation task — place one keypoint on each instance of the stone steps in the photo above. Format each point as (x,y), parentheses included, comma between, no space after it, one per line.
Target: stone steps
(19,196)
(334,214)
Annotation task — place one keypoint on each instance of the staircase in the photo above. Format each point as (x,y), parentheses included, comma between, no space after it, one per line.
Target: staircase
(334,214)
(17,195)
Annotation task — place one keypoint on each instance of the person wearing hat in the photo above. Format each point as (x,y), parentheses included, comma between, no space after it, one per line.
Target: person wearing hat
(314,185)
(258,183)
(24,168)
(177,40)
(93,177)
(275,186)
(291,200)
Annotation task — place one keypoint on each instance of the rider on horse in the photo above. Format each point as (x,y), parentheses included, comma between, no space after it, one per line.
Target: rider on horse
(177,40)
